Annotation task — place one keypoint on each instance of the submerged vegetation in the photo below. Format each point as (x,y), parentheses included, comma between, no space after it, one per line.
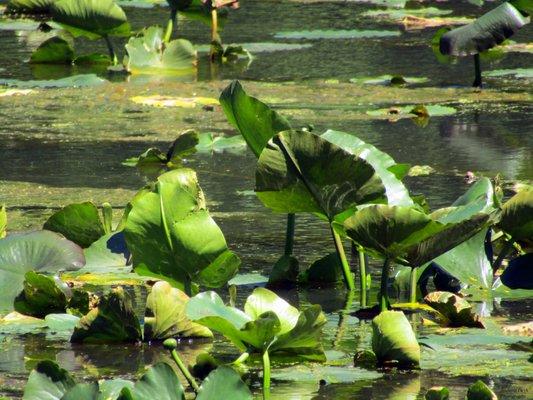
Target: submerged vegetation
(182,298)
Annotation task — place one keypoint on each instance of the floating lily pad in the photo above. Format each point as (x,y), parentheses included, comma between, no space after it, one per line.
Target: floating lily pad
(18,25)
(336,34)
(421,170)
(398,112)
(251,279)
(210,143)
(14,92)
(331,374)
(526,73)
(167,101)
(71,81)
(48,381)
(389,80)
(398,14)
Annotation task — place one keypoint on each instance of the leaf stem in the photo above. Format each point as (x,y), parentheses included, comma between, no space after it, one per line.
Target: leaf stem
(505,250)
(348,278)
(111,50)
(289,234)
(107,215)
(383,295)
(362,277)
(172,22)
(266,376)
(242,358)
(412,286)
(184,370)
(477,65)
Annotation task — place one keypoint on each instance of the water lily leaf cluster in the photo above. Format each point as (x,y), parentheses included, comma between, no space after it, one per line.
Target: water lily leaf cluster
(456,310)
(268,323)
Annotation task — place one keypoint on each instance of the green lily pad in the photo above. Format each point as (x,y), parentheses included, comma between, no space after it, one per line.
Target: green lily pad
(165,315)
(41,296)
(480,391)
(389,80)
(435,110)
(71,81)
(224,383)
(18,25)
(393,339)
(55,50)
(517,72)
(90,18)
(437,393)
(336,34)
(394,14)
(456,310)
(40,251)
(210,143)
(112,321)
(172,237)
(148,54)
(47,381)
(83,391)
(160,379)
(268,323)
(79,223)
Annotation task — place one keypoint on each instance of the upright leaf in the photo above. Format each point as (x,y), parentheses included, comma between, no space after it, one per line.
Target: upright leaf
(172,236)
(301,172)
(160,381)
(224,383)
(91,18)
(165,315)
(484,33)
(112,321)
(517,215)
(78,222)
(393,339)
(255,121)
(47,381)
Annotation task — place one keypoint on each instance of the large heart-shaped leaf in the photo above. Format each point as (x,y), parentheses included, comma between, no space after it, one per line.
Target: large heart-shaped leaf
(160,381)
(517,215)
(409,236)
(165,315)
(255,121)
(397,193)
(47,381)
(147,53)
(301,172)
(484,33)
(224,383)
(393,339)
(268,323)
(83,391)
(112,321)
(78,222)
(91,18)
(28,7)
(172,236)
(40,251)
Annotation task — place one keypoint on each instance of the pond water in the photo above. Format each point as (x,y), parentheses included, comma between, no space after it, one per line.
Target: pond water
(66,145)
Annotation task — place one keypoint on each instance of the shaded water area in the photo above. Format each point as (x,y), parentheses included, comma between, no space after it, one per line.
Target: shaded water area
(66,145)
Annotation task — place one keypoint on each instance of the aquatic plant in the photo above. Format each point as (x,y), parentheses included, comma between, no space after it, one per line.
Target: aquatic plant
(40,251)
(411,237)
(148,53)
(393,339)
(49,380)
(268,326)
(172,237)
(484,33)
(93,19)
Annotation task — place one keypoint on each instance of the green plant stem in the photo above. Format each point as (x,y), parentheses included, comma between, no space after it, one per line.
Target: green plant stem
(266,376)
(505,250)
(242,358)
(111,50)
(362,277)
(412,286)
(107,216)
(172,22)
(477,66)
(348,279)
(289,234)
(184,370)
(383,295)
